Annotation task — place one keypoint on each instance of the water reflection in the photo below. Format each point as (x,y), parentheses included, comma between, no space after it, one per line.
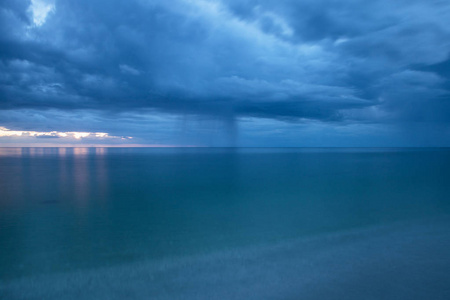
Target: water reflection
(100,151)
(101,175)
(46,196)
(50,175)
(49,151)
(88,207)
(80,151)
(62,151)
(81,176)
(10,151)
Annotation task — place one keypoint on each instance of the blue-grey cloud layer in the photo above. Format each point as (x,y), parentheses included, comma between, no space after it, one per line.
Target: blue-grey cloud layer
(340,62)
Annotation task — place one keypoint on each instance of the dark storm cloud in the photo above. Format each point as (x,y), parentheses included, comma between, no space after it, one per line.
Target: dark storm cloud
(327,60)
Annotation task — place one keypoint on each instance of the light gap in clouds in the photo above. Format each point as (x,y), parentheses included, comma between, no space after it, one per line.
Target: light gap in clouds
(40,10)
(5,132)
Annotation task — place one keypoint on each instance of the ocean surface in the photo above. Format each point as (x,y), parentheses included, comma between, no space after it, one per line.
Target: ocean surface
(224,223)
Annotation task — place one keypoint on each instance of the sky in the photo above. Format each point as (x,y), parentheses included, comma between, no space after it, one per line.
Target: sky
(246,73)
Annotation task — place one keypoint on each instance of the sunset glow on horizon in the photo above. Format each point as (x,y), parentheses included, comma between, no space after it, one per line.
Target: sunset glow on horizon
(5,132)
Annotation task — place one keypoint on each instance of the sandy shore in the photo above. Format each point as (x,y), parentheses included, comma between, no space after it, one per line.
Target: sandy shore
(398,261)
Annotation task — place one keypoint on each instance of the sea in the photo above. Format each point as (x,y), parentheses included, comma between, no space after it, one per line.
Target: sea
(224,223)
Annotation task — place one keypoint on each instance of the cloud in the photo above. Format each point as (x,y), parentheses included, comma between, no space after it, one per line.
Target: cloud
(128,70)
(295,61)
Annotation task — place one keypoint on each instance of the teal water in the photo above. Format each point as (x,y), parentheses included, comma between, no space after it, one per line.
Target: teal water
(66,209)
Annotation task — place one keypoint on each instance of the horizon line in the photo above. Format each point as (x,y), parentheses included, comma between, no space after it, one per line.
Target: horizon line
(232,147)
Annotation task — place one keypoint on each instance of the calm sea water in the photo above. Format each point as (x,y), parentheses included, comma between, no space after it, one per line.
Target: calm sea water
(64,209)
